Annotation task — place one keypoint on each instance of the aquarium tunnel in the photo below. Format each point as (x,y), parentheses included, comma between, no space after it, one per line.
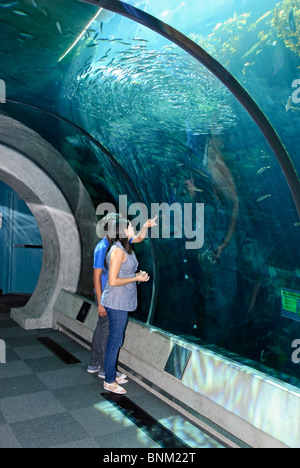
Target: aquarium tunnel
(185,109)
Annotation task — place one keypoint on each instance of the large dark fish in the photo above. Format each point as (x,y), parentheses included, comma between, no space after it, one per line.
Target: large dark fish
(224,188)
(292,21)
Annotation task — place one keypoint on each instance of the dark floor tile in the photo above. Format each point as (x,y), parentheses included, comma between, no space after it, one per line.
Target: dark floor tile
(11,355)
(45,364)
(130,437)
(20,385)
(46,403)
(31,406)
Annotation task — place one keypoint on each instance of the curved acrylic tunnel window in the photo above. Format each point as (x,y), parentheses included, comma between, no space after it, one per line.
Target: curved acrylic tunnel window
(181,138)
(257,41)
(101,175)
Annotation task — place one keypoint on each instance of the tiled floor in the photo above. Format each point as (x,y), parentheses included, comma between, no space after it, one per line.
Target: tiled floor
(46,403)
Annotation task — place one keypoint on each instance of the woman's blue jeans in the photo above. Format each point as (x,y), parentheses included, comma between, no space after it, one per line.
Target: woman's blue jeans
(117,324)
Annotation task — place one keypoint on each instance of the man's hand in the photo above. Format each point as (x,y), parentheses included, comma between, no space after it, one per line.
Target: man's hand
(101,311)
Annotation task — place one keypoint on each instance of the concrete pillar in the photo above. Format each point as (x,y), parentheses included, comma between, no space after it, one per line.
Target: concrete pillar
(63,211)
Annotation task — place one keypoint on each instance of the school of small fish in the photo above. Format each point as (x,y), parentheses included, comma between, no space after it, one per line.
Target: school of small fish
(125,80)
(169,84)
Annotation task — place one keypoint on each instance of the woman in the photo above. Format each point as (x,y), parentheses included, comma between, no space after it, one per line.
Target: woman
(120,295)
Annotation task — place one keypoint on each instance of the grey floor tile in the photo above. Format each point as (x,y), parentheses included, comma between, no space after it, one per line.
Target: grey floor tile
(48,431)
(46,403)
(2,420)
(7,438)
(26,407)
(85,443)
(69,376)
(32,352)
(80,396)
(101,419)
(14,368)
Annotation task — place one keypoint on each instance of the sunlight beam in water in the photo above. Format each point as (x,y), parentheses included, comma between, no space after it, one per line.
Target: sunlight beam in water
(80,35)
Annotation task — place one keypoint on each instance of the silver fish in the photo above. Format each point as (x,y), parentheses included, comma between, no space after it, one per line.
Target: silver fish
(263,169)
(58,25)
(20,13)
(8,5)
(288,104)
(264,197)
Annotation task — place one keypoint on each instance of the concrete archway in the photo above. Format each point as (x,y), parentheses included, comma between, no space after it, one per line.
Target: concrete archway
(62,209)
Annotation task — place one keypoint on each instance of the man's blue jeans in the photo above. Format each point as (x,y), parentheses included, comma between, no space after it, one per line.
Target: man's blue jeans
(99,343)
(117,324)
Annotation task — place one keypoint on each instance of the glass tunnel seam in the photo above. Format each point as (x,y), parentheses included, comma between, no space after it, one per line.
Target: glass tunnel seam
(120,168)
(223,75)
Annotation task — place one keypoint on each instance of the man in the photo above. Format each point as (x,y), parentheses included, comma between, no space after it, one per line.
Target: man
(100,279)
